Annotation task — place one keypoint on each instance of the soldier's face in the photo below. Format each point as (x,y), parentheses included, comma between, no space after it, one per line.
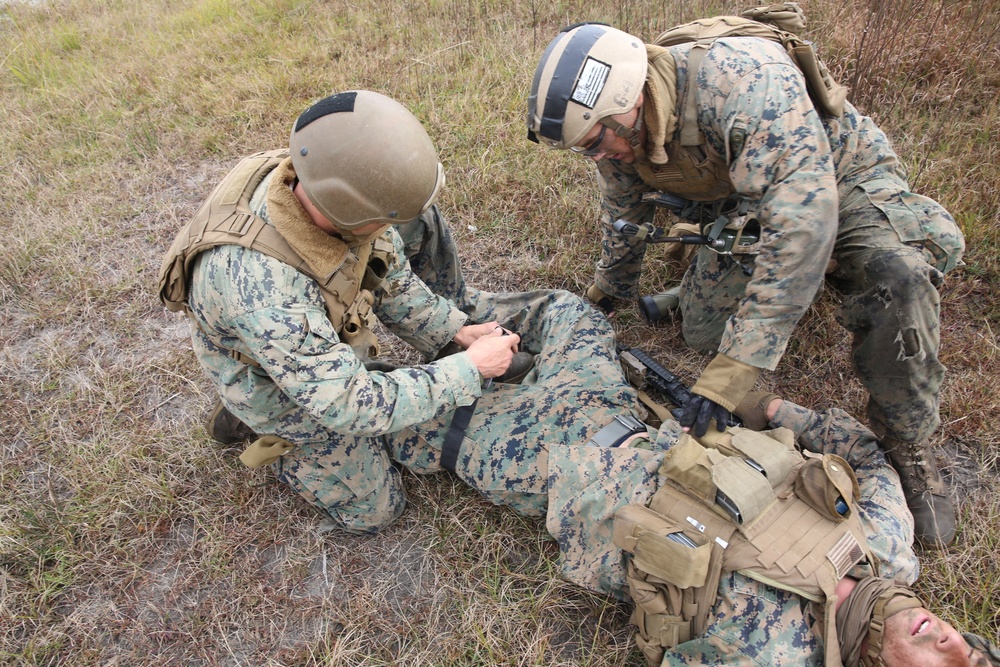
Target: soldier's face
(611,146)
(918,638)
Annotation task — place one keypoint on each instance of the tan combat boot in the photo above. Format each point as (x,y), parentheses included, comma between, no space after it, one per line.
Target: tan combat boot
(934,515)
(225,427)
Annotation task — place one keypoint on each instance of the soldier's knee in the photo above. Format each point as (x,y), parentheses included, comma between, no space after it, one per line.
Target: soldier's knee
(701,327)
(904,273)
(373,512)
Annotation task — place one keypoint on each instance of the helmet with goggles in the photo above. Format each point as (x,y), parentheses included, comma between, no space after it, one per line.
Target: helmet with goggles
(588,72)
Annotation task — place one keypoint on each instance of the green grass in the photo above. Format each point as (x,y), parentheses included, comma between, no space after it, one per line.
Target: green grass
(127,538)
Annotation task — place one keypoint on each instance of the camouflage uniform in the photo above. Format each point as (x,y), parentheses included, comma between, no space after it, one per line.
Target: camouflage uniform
(524,450)
(821,188)
(310,388)
(433,256)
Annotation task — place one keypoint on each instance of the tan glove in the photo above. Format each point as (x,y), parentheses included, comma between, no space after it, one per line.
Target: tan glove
(726,381)
(752,410)
(678,255)
(265,451)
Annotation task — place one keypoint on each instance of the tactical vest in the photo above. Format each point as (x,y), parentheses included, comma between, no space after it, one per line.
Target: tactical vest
(226,219)
(694,169)
(752,505)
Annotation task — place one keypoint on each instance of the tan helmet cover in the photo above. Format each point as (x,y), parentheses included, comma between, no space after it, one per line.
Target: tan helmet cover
(364,158)
(588,72)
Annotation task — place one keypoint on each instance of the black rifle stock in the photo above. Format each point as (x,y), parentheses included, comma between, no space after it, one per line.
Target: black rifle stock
(640,369)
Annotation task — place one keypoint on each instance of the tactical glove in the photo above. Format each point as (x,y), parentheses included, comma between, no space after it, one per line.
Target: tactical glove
(753,409)
(700,411)
(722,385)
(603,301)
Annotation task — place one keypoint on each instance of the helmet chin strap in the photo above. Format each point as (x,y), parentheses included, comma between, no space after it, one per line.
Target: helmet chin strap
(630,134)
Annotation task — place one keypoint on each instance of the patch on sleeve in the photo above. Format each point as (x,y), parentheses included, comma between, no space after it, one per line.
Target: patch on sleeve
(591,82)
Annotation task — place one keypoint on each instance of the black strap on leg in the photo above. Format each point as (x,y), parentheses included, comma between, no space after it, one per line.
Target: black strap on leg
(456,433)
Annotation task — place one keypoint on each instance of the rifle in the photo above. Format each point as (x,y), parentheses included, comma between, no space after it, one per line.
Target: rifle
(729,227)
(642,370)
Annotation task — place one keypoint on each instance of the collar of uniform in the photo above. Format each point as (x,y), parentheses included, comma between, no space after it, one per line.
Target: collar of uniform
(323,253)
(660,106)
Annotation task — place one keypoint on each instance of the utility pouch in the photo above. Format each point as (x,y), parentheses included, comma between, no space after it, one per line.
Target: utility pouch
(383,254)
(690,465)
(771,452)
(661,547)
(826,93)
(659,613)
(828,485)
(742,490)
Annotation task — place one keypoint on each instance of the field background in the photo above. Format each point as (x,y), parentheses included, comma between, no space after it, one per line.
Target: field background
(128,538)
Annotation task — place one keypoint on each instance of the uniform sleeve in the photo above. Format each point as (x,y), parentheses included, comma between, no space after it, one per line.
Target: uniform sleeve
(620,264)
(412,311)
(779,156)
(276,315)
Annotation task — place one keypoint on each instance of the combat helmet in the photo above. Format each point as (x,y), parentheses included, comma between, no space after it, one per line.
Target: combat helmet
(590,71)
(364,158)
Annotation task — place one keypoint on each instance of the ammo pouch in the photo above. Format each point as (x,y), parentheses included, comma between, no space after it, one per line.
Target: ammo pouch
(680,545)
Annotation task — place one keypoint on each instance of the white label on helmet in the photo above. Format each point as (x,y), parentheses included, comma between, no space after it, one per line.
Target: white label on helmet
(591,82)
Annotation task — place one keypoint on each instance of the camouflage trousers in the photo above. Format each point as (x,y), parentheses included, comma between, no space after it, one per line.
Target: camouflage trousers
(525,448)
(575,389)
(892,250)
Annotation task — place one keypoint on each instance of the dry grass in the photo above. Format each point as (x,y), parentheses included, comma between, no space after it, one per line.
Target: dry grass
(126,538)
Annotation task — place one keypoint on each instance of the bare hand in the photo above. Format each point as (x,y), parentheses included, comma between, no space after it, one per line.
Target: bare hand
(469,334)
(491,352)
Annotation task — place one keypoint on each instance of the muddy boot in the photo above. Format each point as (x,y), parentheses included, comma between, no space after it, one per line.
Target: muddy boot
(225,427)
(520,366)
(934,515)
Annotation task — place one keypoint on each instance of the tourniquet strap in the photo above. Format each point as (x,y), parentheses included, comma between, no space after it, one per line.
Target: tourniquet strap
(456,433)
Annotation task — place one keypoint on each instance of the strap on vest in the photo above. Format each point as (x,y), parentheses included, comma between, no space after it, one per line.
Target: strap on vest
(690,134)
(359,318)
(661,412)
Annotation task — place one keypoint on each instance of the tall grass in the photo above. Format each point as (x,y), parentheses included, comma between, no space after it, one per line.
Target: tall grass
(127,538)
